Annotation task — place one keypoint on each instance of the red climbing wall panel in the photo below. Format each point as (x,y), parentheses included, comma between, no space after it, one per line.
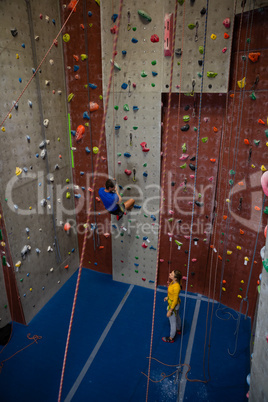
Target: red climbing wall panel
(87,19)
(240,150)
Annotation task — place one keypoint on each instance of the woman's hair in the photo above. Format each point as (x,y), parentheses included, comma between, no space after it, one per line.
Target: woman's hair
(178,276)
(109,184)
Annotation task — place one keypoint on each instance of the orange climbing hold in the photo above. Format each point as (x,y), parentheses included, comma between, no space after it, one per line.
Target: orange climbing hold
(232,96)
(212,160)
(66,266)
(241,183)
(241,231)
(226,36)
(215,129)
(257,208)
(82,26)
(220,258)
(72,5)
(254,57)
(101,247)
(97,199)
(75,57)
(211,246)
(246,141)
(80,131)
(225,217)
(93,106)
(261,121)
(224,281)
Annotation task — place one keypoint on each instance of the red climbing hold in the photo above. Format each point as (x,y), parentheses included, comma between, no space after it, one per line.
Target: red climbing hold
(93,106)
(144,279)
(144,148)
(113,29)
(144,245)
(128,172)
(246,141)
(72,5)
(227,22)
(261,121)
(80,131)
(226,36)
(254,57)
(154,38)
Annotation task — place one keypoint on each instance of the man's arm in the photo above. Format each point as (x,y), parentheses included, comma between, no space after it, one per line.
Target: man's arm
(119,196)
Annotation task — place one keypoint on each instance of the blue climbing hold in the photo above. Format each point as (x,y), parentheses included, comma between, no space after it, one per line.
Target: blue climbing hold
(93,86)
(73,132)
(82,173)
(114,226)
(114,17)
(89,14)
(117,127)
(77,195)
(20,80)
(73,250)
(53,22)
(86,116)
(87,150)
(144,238)
(25,169)
(124,52)
(37,155)
(135,108)
(153,217)
(152,248)
(28,138)
(137,206)
(83,188)
(23,45)
(127,154)
(76,68)
(154,73)
(124,86)
(134,40)
(136,265)
(145,174)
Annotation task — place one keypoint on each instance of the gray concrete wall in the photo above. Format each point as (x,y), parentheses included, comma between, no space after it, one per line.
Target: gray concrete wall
(40,274)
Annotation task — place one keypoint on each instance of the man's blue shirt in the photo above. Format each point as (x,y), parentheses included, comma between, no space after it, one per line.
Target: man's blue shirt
(109,200)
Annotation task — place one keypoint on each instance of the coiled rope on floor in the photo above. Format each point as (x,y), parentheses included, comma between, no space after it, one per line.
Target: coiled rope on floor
(102,131)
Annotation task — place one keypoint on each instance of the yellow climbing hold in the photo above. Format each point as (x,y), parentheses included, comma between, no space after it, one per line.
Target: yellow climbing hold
(238,247)
(227,200)
(83,57)
(229,252)
(224,289)
(239,296)
(18,264)
(66,37)
(253,166)
(98,2)
(70,97)
(263,168)
(213,36)
(10,115)
(3,129)
(95,150)
(18,171)
(242,281)
(242,83)
(3,244)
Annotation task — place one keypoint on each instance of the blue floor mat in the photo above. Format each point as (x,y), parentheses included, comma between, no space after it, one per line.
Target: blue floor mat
(115,373)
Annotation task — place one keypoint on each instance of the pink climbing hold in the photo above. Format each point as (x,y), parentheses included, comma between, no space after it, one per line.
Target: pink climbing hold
(184,278)
(227,22)
(224,49)
(205,119)
(184,157)
(119,162)
(171,212)
(264,183)
(211,178)
(187,237)
(192,176)
(128,172)
(194,259)
(161,260)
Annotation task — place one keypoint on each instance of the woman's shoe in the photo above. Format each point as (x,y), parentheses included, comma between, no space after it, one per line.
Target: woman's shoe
(167,339)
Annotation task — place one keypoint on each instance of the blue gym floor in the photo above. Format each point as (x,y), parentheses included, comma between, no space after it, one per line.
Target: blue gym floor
(109,345)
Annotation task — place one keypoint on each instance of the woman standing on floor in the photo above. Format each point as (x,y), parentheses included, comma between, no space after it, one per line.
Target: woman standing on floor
(174,301)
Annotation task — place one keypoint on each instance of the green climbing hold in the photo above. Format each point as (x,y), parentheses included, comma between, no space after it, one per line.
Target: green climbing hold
(204,139)
(136,271)
(21,280)
(153,62)
(1,236)
(170,219)
(199,195)
(119,154)
(199,75)
(116,107)
(191,26)
(265,264)
(145,164)
(134,29)
(228,260)
(240,289)
(266,210)
(152,84)
(244,58)
(181,2)
(201,49)
(135,128)
(137,258)
(183,166)
(266,133)
(231,182)
(145,216)
(4,260)
(178,63)
(195,128)
(232,172)
(221,241)
(178,243)
(253,96)
(137,237)
(211,74)
(126,108)
(145,15)
(184,148)
(186,118)
(257,142)
(248,40)
(143,74)
(70,97)
(222,233)
(122,234)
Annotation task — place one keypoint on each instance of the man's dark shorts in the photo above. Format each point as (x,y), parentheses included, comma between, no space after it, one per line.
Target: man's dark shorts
(119,211)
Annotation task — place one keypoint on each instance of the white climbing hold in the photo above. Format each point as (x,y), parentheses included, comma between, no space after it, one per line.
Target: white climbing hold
(46,122)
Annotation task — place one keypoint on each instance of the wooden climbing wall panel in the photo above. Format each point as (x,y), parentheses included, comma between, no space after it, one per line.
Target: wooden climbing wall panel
(230,256)
(84,83)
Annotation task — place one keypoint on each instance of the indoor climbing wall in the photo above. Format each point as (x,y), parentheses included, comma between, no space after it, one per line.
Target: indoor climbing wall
(37,255)
(229,215)
(83,74)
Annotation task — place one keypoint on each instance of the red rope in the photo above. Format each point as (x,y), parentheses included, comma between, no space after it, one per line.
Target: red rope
(162,195)
(28,83)
(90,205)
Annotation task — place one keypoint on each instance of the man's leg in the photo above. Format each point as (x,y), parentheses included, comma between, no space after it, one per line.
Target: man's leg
(129,204)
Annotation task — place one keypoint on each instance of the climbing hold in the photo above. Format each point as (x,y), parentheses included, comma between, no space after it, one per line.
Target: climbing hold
(144,147)
(46,122)
(178,52)
(191,26)
(154,38)
(183,166)
(95,150)
(263,168)
(134,40)
(211,74)
(18,171)
(191,166)
(242,83)
(257,142)
(264,183)
(186,118)
(145,15)
(185,127)
(213,160)
(213,36)
(144,245)
(238,247)
(227,22)
(79,132)
(66,37)
(143,74)
(124,86)
(254,57)
(184,157)
(253,96)
(128,172)
(226,36)
(260,121)
(199,204)
(246,259)
(224,50)
(201,49)
(93,106)
(204,139)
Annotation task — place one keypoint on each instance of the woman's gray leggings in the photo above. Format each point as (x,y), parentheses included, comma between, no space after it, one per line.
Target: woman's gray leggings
(175,322)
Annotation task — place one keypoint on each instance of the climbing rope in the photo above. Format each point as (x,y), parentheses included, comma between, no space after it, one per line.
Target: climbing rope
(195,179)
(102,131)
(163,179)
(42,61)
